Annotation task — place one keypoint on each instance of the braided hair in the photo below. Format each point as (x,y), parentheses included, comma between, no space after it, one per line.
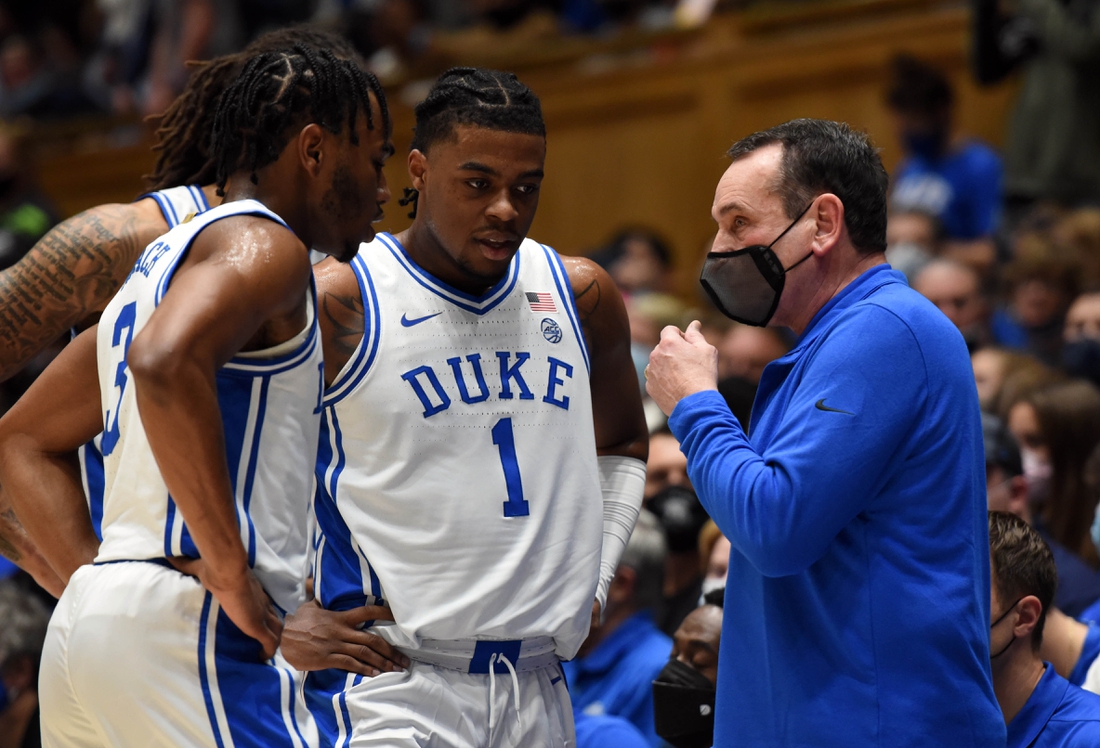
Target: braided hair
(277,90)
(474,96)
(184,129)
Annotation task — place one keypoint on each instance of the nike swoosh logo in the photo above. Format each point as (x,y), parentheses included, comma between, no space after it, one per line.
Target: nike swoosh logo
(406,322)
(820,405)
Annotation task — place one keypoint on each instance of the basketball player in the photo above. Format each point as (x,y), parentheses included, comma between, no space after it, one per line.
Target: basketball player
(210,372)
(482,422)
(68,277)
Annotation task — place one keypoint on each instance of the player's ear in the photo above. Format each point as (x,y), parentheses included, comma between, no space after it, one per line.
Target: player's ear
(418,168)
(310,148)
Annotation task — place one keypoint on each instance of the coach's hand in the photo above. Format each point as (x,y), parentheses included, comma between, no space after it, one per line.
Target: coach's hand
(317,639)
(682,364)
(243,599)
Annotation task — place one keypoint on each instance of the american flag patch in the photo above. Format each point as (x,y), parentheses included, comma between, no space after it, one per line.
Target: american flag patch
(541,302)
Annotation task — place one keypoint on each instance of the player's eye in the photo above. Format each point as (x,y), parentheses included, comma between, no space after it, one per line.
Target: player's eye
(527,189)
(477,184)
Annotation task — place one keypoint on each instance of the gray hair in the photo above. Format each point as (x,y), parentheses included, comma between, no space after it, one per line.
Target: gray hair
(24,618)
(645,554)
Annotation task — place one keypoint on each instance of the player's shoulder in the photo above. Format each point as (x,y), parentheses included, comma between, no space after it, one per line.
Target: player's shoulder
(335,278)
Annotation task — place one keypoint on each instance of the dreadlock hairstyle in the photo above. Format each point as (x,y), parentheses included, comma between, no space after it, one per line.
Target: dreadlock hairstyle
(185,128)
(474,96)
(277,90)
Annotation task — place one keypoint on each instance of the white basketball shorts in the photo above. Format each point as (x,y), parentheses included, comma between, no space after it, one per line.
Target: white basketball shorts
(138,654)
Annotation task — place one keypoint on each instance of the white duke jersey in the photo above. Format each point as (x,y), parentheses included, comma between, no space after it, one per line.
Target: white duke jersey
(270,404)
(176,204)
(457,475)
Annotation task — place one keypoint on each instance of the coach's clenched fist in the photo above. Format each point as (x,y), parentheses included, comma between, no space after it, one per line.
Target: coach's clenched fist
(682,364)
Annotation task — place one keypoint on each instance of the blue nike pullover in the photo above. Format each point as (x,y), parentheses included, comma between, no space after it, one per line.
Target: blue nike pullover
(857,602)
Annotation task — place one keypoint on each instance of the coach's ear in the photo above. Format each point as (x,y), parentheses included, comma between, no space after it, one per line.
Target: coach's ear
(418,169)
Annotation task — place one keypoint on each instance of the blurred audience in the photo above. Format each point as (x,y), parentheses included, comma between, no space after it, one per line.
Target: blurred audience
(1007,491)
(681,517)
(638,260)
(1040,707)
(1057,427)
(745,350)
(1042,281)
(944,174)
(956,289)
(1003,376)
(25,214)
(683,693)
(620,658)
(714,557)
(22,634)
(1081,338)
(912,240)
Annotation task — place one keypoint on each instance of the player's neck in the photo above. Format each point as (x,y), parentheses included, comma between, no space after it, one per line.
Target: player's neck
(428,252)
(272,193)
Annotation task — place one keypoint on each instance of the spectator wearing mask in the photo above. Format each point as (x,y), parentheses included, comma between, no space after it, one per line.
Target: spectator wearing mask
(1040,707)
(24,618)
(682,517)
(956,290)
(957,180)
(683,694)
(620,658)
(912,241)
(1007,491)
(1056,428)
(1081,338)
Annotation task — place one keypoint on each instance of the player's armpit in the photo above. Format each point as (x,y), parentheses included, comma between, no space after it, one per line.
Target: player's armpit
(38,465)
(317,639)
(71,273)
(616,400)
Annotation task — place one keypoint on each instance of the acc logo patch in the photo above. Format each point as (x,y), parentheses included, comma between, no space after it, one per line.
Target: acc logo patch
(551,330)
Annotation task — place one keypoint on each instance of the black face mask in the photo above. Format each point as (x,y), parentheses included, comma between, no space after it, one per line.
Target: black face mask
(746,284)
(1082,359)
(994,625)
(683,706)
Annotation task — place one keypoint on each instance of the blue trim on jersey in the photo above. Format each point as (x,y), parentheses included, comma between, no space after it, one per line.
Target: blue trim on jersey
(475,304)
(561,280)
(162,286)
(255,713)
(368,344)
(253,458)
(235,404)
(204,676)
(271,366)
(340,585)
(200,198)
(96,482)
(166,208)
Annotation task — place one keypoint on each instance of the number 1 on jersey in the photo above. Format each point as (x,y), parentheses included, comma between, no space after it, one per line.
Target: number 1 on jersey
(505,440)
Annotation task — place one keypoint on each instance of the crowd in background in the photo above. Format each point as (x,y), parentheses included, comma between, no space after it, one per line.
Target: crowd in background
(1006,245)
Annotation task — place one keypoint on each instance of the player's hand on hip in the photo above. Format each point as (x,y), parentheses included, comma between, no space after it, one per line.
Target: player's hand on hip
(682,364)
(243,599)
(317,639)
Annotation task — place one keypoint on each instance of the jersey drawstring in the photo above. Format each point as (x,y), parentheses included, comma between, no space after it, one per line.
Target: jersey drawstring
(496,657)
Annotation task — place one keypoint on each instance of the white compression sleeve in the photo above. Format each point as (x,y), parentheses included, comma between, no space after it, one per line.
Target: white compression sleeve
(622,482)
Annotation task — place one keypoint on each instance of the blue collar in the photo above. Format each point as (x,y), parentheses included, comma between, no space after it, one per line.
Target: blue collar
(1040,707)
(858,290)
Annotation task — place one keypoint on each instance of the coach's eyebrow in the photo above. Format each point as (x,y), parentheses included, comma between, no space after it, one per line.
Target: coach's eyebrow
(729,207)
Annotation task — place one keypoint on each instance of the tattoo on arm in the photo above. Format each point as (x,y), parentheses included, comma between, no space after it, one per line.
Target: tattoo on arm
(347,318)
(9,525)
(72,271)
(588,301)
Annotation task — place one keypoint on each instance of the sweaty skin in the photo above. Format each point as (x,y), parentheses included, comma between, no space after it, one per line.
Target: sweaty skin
(243,286)
(64,282)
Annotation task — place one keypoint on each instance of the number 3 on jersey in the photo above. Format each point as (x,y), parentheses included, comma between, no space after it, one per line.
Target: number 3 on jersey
(505,440)
(125,323)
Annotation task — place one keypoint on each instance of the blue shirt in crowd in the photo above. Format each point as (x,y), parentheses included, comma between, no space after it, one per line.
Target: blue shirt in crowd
(1058,714)
(857,601)
(605,731)
(617,676)
(961,189)
(1089,652)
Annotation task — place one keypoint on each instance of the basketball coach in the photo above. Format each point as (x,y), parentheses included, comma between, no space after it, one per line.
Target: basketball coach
(857,602)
